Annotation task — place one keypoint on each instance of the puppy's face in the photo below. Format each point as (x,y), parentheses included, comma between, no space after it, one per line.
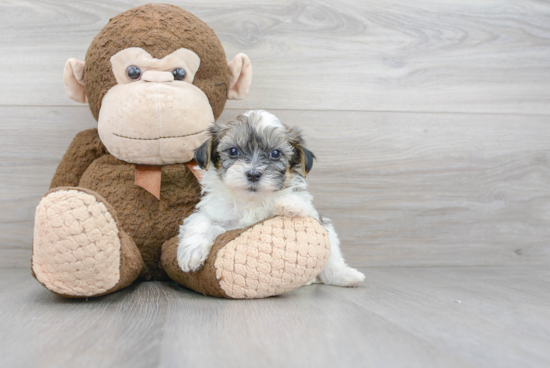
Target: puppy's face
(255,153)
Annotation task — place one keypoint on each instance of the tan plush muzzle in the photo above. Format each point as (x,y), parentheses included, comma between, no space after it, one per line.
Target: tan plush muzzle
(154,121)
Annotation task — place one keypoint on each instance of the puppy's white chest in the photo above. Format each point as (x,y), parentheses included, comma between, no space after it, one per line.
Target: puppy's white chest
(250,213)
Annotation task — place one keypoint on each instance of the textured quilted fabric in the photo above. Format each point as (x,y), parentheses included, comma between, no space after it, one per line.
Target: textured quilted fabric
(76,248)
(273,258)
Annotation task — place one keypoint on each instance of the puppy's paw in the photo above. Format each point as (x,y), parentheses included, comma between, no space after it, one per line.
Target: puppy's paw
(191,258)
(347,277)
(315,280)
(291,206)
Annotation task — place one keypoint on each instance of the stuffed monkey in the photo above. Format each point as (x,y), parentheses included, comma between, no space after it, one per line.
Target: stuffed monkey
(155,78)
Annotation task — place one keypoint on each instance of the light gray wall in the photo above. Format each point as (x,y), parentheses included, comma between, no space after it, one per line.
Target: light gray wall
(431,119)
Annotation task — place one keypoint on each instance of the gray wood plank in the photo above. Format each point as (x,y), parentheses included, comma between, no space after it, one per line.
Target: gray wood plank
(404,189)
(475,56)
(454,307)
(409,317)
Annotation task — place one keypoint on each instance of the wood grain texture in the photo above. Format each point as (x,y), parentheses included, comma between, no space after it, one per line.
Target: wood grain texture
(430,317)
(376,55)
(404,189)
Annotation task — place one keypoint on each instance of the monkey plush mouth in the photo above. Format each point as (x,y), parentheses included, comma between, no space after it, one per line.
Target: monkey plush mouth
(156,139)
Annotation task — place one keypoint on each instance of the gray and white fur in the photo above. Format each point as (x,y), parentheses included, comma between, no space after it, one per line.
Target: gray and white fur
(254,168)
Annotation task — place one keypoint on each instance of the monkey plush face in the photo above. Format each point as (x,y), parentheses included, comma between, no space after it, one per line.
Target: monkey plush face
(156,78)
(155,114)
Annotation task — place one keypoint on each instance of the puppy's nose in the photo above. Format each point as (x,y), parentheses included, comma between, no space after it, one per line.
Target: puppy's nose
(253,175)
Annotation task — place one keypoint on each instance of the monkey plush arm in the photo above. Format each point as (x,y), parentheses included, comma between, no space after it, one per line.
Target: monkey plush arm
(85,148)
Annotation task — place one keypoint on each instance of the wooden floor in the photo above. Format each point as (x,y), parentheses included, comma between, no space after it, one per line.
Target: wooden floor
(431,122)
(403,317)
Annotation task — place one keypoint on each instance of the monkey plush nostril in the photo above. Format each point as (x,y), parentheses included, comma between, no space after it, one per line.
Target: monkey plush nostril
(253,175)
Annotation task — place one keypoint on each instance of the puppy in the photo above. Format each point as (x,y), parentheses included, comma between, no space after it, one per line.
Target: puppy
(255,168)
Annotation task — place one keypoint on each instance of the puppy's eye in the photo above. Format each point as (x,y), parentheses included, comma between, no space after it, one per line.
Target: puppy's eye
(233,152)
(275,154)
(179,73)
(133,72)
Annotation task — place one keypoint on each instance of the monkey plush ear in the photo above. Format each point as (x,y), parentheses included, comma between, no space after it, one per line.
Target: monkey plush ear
(202,154)
(73,77)
(240,77)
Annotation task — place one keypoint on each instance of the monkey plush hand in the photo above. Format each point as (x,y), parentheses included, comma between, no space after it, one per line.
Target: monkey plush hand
(155,78)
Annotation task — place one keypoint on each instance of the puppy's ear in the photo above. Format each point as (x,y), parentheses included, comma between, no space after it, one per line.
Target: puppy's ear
(302,156)
(306,159)
(203,154)
(207,152)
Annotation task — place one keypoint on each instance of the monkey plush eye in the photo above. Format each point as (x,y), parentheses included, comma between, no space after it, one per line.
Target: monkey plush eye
(233,152)
(133,72)
(275,154)
(179,74)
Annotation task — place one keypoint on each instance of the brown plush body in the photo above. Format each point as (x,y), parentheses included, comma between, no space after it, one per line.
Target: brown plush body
(149,221)
(96,231)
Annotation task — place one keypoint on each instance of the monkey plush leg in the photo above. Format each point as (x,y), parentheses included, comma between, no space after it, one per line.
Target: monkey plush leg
(269,258)
(78,249)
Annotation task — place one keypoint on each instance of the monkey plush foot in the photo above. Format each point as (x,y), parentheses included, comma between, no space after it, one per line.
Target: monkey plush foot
(269,258)
(78,249)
